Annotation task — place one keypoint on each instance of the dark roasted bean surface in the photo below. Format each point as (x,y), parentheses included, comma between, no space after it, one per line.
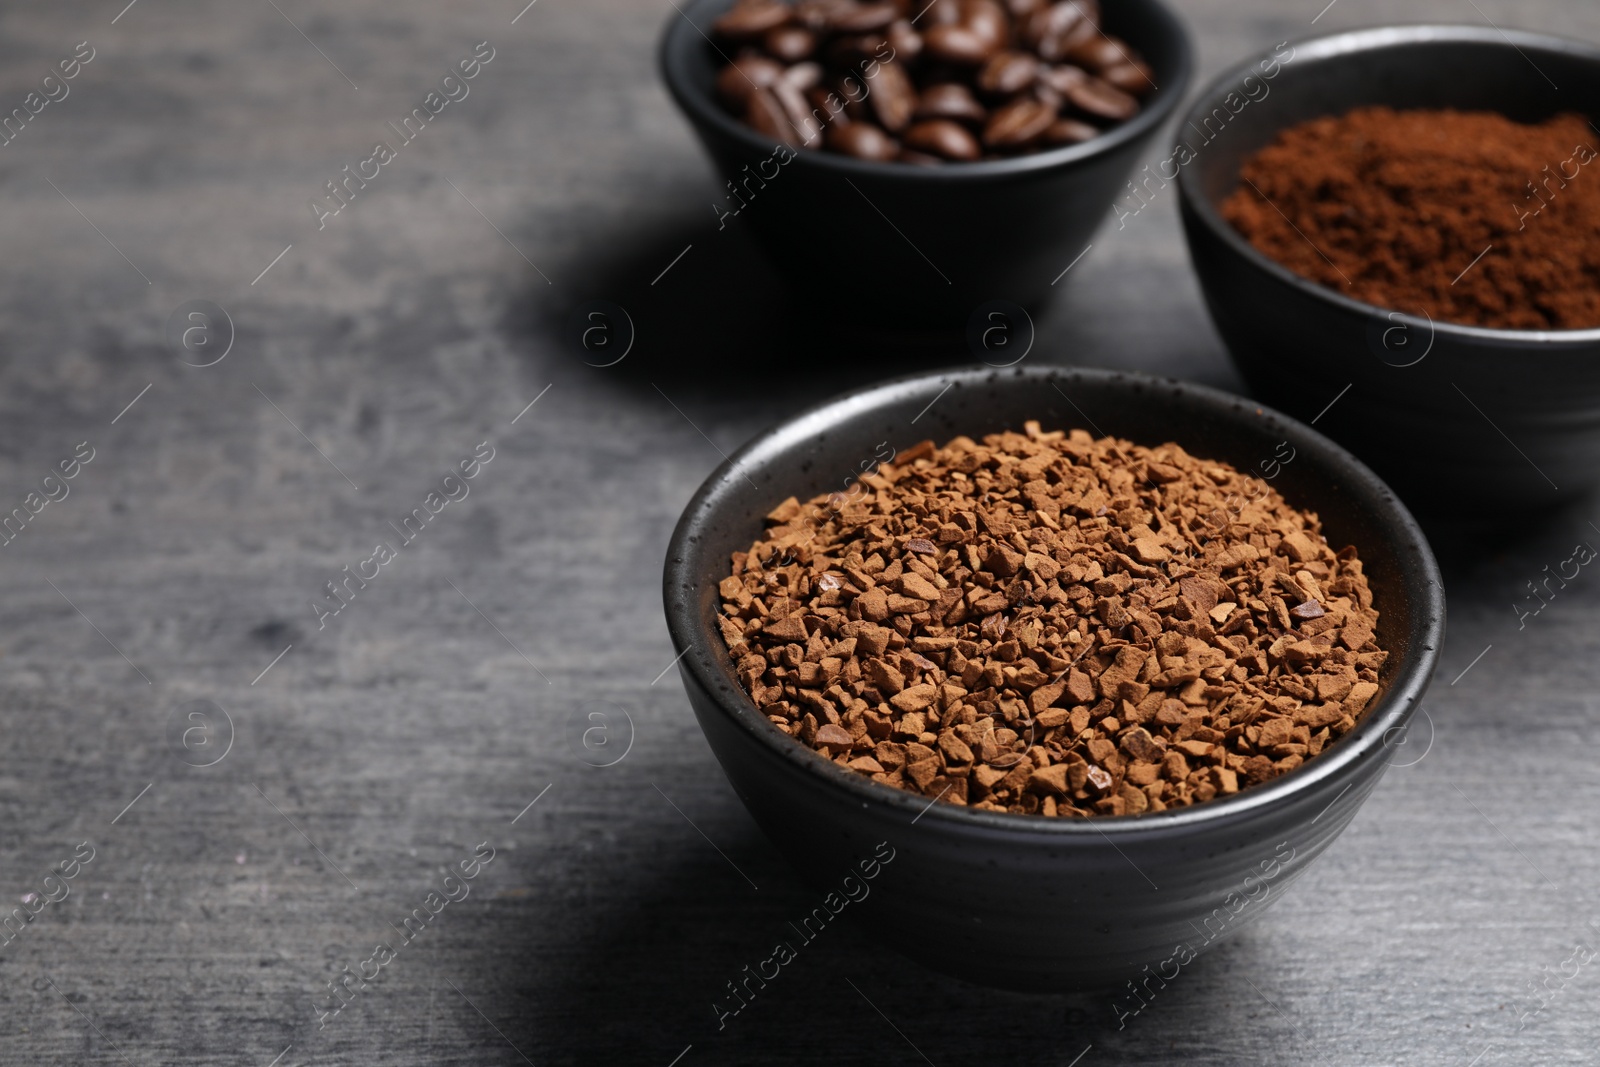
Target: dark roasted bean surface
(1000,79)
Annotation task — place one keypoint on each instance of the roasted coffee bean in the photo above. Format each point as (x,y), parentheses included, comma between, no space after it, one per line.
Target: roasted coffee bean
(919,159)
(804,67)
(863,18)
(863,140)
(905,40)
(1063,79)
(1068,131)
(1017,124)
(852,52)
(1131,77)
(988,20)
(790,43)
(1053,22)
(802,75)
(791,97)
(767,117)
(941,137)
(1099,100)
(744,76)
(853,91)
(752,18)
(1008,73)
(893,97)
(828,105)
(818,15)
(1097,53)
(1075,37)
(1088,9)
(957,45)
(950,100)
(1062,27)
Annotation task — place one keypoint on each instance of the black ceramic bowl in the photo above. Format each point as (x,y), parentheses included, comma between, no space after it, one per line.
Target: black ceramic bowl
(1020,901)
(1458,418)
(895,245)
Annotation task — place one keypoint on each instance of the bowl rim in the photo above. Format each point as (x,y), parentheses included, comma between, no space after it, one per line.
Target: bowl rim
(701,108)
(1329,48)
(699,650)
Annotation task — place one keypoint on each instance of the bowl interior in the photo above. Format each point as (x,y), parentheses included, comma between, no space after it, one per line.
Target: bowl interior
(822,449)
(1473,68)
(690,62)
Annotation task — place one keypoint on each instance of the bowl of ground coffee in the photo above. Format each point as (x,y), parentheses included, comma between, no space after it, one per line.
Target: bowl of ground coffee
(905,163)
(1403,228)
(1101,661)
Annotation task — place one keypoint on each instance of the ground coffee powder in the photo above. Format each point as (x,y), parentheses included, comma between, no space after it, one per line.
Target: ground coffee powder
(1054,624)
(1395,208)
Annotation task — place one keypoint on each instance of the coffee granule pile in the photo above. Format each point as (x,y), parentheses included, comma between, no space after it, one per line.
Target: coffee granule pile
(1053,624)
(1393,207)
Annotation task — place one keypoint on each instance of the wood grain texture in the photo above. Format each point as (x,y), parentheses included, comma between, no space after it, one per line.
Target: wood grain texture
(457,685)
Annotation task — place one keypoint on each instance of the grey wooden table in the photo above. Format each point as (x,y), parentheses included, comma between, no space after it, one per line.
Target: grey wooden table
(267,789)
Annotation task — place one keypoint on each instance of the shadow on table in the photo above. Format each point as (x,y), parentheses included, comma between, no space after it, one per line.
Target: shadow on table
(637,986)
(709,308)
(677,302)
(1474,549)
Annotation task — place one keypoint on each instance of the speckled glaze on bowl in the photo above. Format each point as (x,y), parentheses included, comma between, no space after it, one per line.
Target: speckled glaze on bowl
(893,245)
(1461,420)
(1019,901)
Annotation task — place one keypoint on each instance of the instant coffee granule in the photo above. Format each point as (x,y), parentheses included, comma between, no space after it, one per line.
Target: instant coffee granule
(1394,208)
(1054,624)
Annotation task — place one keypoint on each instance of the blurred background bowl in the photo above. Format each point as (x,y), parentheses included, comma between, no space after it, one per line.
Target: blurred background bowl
(903,247)
(1021,901)
(1462,420)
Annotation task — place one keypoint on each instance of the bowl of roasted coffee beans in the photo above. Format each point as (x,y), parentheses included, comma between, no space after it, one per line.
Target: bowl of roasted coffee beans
(905,163)
(1400,225)
(1082,665)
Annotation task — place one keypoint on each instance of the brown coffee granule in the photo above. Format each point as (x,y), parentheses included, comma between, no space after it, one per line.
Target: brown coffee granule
(1391,207)
(1053,624)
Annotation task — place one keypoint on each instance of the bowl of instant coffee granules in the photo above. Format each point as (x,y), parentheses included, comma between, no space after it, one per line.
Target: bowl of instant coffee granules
(1081,667)
(905,163)
(1399,233)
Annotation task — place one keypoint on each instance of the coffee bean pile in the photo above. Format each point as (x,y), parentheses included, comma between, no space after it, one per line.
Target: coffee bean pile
(921,82)
(1049,623)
